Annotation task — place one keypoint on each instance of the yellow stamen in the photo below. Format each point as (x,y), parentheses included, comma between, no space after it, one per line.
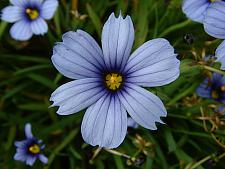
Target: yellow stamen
(32,13)
(113,81)
(35,149)
(223,88)
(213,0)
(215,94)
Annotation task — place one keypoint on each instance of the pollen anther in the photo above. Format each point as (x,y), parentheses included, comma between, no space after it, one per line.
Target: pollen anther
(34,149)
(114,81)
(32,13)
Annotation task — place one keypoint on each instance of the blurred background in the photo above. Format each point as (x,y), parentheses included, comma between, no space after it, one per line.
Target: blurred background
(194,135)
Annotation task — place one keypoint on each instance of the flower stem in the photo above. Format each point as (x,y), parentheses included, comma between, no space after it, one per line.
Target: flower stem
(214,70)
(175,27)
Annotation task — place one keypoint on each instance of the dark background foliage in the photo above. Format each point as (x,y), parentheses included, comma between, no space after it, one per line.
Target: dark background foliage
(27,79)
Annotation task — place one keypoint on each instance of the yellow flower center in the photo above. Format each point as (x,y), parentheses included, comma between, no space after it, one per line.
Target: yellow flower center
(215,94)
(213,0)
(35,149)
(32,13)
(223,88)
(113,81)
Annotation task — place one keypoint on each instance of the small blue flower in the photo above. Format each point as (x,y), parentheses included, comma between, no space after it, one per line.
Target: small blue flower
(215,20)
(213,88)
(109,80)
(220,54)
(29,17)
(221,109)
(196,9)
(30,149)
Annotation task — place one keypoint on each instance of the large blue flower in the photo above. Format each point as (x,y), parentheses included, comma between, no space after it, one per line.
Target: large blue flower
(214,22)
(213,88)
(30,149)
(109,80)
(29,17)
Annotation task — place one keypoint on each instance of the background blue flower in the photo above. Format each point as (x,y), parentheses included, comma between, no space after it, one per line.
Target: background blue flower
(213,88)
(29,17)
(215,20)
(195,9)
(30,149)
(109,80)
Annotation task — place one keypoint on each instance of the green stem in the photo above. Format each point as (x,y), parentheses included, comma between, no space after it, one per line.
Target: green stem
(214,70)
(117,153)
(204,160)
(66,141)
(175,27)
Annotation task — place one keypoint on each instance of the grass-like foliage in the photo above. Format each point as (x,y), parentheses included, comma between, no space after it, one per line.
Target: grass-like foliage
(193,136)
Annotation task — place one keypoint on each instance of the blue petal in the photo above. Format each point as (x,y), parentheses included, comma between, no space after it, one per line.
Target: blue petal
(22,150)
(12,14)
(204,90)
(37,2)
(195,9)
(30,160)
(28,131)
(39,26)
(21,30)
(43,159)
(78,56)
(214,22)
(144,107)
(20,157)
(131,123)
(220,54)
(77,95)
(19,3)
(153,64)
(217,78)
(48,8)
(117,41)
(20,144)
(105,123)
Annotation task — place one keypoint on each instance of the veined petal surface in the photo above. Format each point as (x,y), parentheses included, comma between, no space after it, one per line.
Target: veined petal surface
(78,56)
(48,8)
(21,30)
(12,14)
(105,123)
(117,41)
(144,107)
(195,9)
(220,54)
(214,22)
(20,3)
(77,95)
(39,26)
(153,64)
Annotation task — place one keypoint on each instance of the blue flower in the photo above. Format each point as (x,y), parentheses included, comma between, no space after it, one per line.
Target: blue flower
(221,109)
(215,20)
(220,54)
(196,9)
(213,88)
(30,149)
(29,17)
(109,80)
